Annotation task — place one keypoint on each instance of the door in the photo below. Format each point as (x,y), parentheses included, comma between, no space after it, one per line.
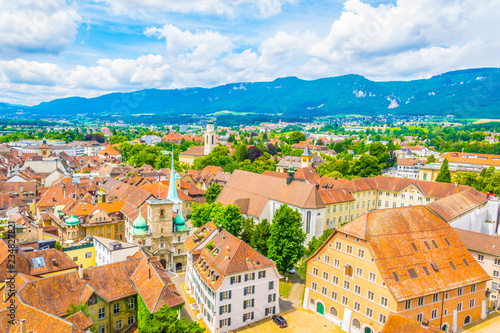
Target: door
(320,308)
(368,330)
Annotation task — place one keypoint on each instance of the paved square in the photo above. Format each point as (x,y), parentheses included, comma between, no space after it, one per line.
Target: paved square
(299,321)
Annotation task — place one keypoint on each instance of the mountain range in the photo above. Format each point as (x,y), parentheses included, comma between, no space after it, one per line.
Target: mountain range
(471,93)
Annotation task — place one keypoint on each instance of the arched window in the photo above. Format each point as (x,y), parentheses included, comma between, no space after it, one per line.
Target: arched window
(333,311)
(311,301)
(348,270)
(308,222)
(467,320)
(213,139)
(356,323)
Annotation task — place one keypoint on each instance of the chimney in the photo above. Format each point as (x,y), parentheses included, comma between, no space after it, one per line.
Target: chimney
(219,228)
(80,271)
(23,325)
(140,246)
(456,184)
(54,263)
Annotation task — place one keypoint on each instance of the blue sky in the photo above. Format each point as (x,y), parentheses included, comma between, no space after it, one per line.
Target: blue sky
(54,48)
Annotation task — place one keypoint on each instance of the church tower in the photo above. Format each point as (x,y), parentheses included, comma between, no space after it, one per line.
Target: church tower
(210,139)
(306,158)
(44,149)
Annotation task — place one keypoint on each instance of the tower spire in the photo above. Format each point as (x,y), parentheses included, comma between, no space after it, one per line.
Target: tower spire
(172,189)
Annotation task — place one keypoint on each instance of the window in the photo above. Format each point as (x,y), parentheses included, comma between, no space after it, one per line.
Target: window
(271,285)
(361,253)
(225,322)
(116,308)
(445,312)
(335,280)
(235,279)
(345,300)
(130,320)
(88,255)
(334,295)
(420,317)
(248,316)
(333,311)
(408,304)
(336,263)
(371,295)
(270,310)
(495,273)
(427,245)
(356,306)
(387,204)
(346,285)
(248,303)
(131,303)
(271,298)
(480,257)
(421,301)
(359,272)
(459,307)
(102,313)
(467,320)
(357,289)
(348,249)
(315,271)
(434,314)
(225,295)
(369,312)
(327,259)
(412,273)
(446,295)
(328,210)
(102,329)
(249,276)
(472,288)
(394,205)
(472,303)
(460,291)
(435,298)
(338,246)
(384,301)
(411,197)
(426,271)
(497,262)
(348,270)
(324,291)
(118,324)
(308,222)
(75,258)
(262,274)
(314,286)
(373,277)
(382,319)
(249,290)
(325,276)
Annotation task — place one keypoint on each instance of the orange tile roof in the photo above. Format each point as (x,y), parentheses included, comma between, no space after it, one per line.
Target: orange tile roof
(194,151)
(109,151)
(472,158)
(111,207)
(80,320)
(204,232)
(55,261)
(479,242)
(399,324)
(333,196)
(390,234)
(455,205)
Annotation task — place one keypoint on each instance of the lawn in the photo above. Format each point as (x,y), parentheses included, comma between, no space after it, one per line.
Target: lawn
(285,287)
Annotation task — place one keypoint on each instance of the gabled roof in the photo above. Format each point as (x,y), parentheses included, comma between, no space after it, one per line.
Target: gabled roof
(333,196)
(391,234)
(80,320)
(194,151)
(455,205)
(259,189)
(479,242)
(400,324)
(109,151)
(229,256)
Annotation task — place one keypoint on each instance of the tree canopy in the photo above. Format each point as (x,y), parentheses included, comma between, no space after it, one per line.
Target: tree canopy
(444,175)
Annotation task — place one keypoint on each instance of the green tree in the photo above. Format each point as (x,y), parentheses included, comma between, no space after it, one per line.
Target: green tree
(286,239)
(247,230)
(240,153)
(74,308)
(260,236)
(444,175)
(230,218)
(296,137)
(366,166)
(212,193)
(431,159)
(166,320)
(201,214)
(315,243)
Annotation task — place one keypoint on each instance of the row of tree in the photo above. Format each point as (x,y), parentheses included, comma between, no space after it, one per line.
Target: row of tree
(282,241)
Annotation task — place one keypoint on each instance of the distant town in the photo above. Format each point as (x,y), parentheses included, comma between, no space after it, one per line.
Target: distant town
(344,224)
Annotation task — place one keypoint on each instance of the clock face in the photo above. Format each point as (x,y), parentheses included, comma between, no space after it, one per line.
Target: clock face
(44,152)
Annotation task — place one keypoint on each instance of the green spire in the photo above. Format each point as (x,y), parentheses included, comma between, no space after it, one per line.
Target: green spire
(172,190)
(140,225)
(72,221)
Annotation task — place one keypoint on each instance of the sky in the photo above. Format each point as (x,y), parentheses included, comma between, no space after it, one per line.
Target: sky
(59,48)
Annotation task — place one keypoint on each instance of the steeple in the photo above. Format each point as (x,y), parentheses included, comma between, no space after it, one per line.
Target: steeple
(172,189)
(306,158)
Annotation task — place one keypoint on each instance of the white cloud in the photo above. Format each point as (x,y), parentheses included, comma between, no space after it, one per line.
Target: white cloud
(219,7)
(407,40)
(29,26)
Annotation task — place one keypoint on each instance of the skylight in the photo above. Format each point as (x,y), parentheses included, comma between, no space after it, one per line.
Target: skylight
(452,266)
(427,244)
(414,246)
(447,241)
(426,271)
(435,245)
(38,262)
(396,277)
(466,263)
(412,273)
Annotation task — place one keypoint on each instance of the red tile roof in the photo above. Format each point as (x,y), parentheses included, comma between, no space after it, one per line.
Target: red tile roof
(400,324)
(458,204)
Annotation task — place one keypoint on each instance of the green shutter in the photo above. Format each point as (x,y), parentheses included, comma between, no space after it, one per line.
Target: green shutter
(228,321)
(221,296)
(253,299)
(229,294)
(229,308)
(252,315)
(253,289)
(244,304)
(220,310)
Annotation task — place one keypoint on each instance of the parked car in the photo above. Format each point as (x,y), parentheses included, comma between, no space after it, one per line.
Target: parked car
(292,271)
(280,321)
